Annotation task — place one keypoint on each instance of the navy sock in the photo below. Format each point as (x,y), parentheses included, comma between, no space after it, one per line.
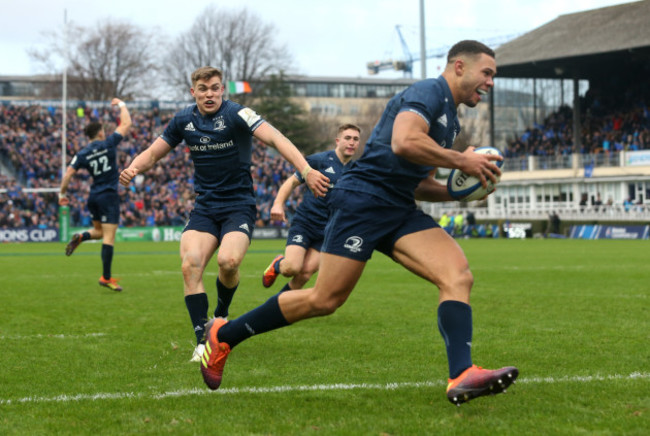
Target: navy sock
(85,236)
(107,260)
(262,319)
(197,306)
(276,265)
(455,324)
(285,288)
(224,298)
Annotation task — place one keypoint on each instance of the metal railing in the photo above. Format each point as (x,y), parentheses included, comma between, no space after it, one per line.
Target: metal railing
(635,212)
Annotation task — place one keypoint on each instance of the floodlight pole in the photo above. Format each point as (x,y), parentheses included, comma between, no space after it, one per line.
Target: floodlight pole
(423,49)
(64,99)
(64,211)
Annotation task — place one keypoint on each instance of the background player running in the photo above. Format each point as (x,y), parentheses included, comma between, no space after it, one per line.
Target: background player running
(305,238)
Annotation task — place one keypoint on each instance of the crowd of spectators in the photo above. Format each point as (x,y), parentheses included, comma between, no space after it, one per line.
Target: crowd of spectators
(607,127)
(30,146)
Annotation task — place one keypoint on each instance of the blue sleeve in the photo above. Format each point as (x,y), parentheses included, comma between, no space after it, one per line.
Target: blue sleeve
(247,118)
(426,104)
(114,139)
(77,161)
(173,135)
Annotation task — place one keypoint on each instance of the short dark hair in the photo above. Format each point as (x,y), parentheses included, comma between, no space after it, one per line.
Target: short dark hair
(92,129)
(470,47)
(206,73)
(348,126)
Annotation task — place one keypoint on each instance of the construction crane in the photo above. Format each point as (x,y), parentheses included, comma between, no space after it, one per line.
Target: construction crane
(406,64)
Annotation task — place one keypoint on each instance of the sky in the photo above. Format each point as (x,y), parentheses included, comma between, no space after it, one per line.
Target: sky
(325,38)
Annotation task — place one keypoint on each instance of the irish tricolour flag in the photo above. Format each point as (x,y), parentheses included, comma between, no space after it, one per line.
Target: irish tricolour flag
(238,87)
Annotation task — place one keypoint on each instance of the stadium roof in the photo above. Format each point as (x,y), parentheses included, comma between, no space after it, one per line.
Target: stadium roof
(582,45)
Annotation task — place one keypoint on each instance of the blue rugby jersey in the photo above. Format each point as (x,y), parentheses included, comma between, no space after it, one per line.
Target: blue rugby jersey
(315,210)
(100,159)
(220,146)
(381,172)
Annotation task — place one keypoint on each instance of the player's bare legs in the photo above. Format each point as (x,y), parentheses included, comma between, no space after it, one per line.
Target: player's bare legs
(310,265)
(196,250)
(287,265)
(338,276)
(294,256)
(106,231)
(335,282)
(231,253)
(435,256)
(97,232)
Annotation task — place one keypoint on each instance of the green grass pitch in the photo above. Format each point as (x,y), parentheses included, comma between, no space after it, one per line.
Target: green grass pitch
(572,315)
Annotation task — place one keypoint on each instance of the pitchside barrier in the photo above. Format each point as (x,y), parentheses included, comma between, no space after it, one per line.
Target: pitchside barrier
(157,234)
(609,232)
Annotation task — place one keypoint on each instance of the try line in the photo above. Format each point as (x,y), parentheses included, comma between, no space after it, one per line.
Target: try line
(304,388)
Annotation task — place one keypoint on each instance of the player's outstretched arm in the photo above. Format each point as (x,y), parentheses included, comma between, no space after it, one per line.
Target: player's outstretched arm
(63,190)
(145,160)
(125,117)
(318,183)
(277,209)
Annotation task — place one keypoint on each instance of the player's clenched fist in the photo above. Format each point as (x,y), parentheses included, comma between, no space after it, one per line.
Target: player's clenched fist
(126,176)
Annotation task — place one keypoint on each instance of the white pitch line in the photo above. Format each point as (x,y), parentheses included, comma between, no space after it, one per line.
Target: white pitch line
(304,388)
(52,336)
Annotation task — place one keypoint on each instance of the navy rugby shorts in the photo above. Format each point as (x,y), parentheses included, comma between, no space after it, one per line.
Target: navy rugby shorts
(104,207)
(305,235)
(223,220)
(361,223)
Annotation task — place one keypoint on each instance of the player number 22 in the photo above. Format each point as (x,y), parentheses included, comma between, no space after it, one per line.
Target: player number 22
(100,165)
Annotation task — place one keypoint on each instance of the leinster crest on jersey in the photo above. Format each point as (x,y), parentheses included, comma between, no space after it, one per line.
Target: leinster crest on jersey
(219,124)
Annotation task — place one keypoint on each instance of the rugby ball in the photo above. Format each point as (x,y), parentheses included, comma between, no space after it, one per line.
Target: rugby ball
(463,187)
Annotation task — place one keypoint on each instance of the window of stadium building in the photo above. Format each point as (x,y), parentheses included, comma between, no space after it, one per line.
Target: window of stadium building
(317,90)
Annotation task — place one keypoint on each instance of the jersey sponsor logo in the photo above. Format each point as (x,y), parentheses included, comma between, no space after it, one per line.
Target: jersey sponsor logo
(443,120)
(212,147)
(329,170)
(249,116)
(219,123)
(190,127)
(297,238)
(204,139)
(245,227)
(353,243)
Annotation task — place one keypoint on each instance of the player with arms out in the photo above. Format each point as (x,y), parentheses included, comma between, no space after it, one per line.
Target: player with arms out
(99,157)
(305,238)
(373,208)
(218,134)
